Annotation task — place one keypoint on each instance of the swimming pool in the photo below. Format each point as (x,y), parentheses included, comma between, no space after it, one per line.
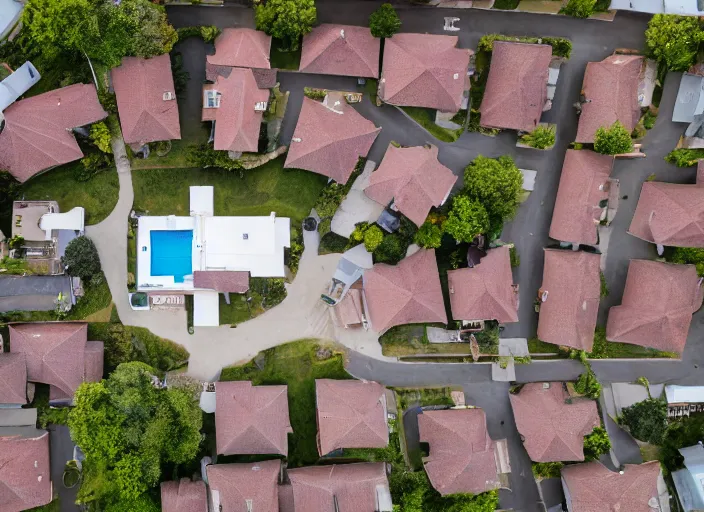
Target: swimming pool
(172,253)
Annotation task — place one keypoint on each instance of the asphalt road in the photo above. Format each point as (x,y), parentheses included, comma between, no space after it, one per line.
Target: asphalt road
(61,448)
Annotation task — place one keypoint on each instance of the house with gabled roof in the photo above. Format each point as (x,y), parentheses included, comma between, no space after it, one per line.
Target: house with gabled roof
(25,477)
(657,306)
(241,47)
(551,424)
(425,70)
(412,180)
(516,89)
(244,487)
(569,298)
(251,419)
(485,291)
(346,50)
(146,100)
(184,496)
(13,380)
(350,414)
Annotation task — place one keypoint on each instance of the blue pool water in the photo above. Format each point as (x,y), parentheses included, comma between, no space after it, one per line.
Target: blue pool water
(172,253)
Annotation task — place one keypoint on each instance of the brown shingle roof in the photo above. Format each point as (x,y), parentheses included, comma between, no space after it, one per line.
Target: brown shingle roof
(517,86)
(328,142)
(140,85)
(568,316)
(553,429)
(25,481)
(406,293)
(424,70)
(37,132)
(241,47)
(657,306)
(610,89)
(235,484)
(341,50)
(486,291)
(413,178)
(13,379)
(592,487)
(351,414)
(222,280)
(583,185)
(251,419)
(184,496)
(352,486)
(462,458)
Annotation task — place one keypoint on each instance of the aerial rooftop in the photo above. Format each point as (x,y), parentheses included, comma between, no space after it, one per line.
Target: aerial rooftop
(234,487)
(341,50)
(24,468)
(241,47)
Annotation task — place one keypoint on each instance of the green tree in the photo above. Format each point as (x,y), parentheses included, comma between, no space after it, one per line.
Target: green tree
(674,40)
(495,183)
(596,443)
(359,229)
(384,22)
(391,250)
(613,140)
(81,258)
(286,20)
(542,137)
(373,236)
(689,256)
(682,432)
(580,8)
(429,236)
(646,420)
(142,504)
(100,135)
(466,219)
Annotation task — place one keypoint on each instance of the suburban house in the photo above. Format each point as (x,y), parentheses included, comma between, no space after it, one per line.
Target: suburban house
(362,487)
(485,290)
(19,81)
(425,70)
(13,375)
(407,293)
(251,486)
(678,7)
(350,414)
(657,306)
(689,481)
(637,488)
(516,93)
(24,468)
(684,400)
(146,100)
(411,180)
(329,138)
(586,197)
(611,92)
(184,496)
(241,48)
(38,131)
(552,424)
(569,298)
(671,214)
(462,457)
(251,419)
(35,293)
(58,354)
(341,50)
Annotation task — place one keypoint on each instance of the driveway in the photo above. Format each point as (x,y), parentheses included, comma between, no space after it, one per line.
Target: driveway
(61,451)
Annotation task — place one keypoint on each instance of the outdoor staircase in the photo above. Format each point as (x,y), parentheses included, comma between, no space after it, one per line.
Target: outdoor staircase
(320,321)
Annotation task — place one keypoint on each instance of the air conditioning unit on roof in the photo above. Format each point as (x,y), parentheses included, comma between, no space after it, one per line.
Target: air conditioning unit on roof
(168,96)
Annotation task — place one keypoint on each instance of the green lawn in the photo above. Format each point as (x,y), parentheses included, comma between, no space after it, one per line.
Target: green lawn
(604,349)
(296,365)
(536,346)
(175,159)
(288,192)
(505,4)
(237,311)
(426,118)
(98,195)
(404,340)
(284,59)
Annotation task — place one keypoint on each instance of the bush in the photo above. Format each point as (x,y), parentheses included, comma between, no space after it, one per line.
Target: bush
(596,443)
(373,237)
(205,156)
(92,164)
(100,136)
(429,236)
(685,431)
(357,236)
(329,200)
(646,420)
(561,47)
(466,219)
(272,290)
(81,258)
(580,8)
(547,469)
(542,137)
(295,252)
(332,243)
(604,287)
(108,100)
(674,40)
(181,76)
(613,140)
(685,157)
(688,256)
(514,257)
(384,22)
(207,33)
(315,94)
(391,250)
(324,226)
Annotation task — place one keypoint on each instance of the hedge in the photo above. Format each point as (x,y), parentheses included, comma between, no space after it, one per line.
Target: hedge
(560,46)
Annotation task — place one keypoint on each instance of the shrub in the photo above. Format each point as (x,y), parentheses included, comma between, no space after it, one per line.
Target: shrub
(596,443)
(613,140)
(181,76)
(561,47)
(81,258)
(429,236)
(100,135)
(324,226)
(495,183)
(688,256)
(384,22)
(604,287)
(315,94)
(685,157)
(373,237)
(466,219)
(295,251)
(547,469)
(108,100)
(331,243)
(391,250)
(357,235)
(329,200)
(514,257)
(646,420)
(580,8)
(674,40)
(205,156)
(92,164)
(542,137)
(206,32)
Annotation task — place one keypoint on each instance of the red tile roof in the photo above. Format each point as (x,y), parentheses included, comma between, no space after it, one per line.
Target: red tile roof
(583,185)
(341,50)
(236,122)
(517,86)
(13,379)
(330,143)
(462,458)
(222,280)
(486,291)
(568,316)
(235,484)
(407,293)
(424,70)
(251,419)
(350,414)
(25,480)
(552,427)
(657,306)
(592,487)
(670,214)
(415,180)
(610,89)
(184,496)
(37,132)
(140,85)
(241,47)
(350,486)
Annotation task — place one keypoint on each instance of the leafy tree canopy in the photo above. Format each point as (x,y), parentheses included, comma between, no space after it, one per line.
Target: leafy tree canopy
(466,219)
(689,255)
(373,236)
(287,20)
(580,8)
(613,140)
(596,443)
(384,22)
(81,258)
(646,420)
(674,40)
(429,236)
(495,183)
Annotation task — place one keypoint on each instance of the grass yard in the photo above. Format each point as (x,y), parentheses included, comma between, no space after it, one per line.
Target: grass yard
(288,192)
(411,397)
(604,349)
(177,158)
(237,311)
(536,346)
(371,88)
(426,118)
(98,195)
(404,340)
(284,59)
(296,365)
